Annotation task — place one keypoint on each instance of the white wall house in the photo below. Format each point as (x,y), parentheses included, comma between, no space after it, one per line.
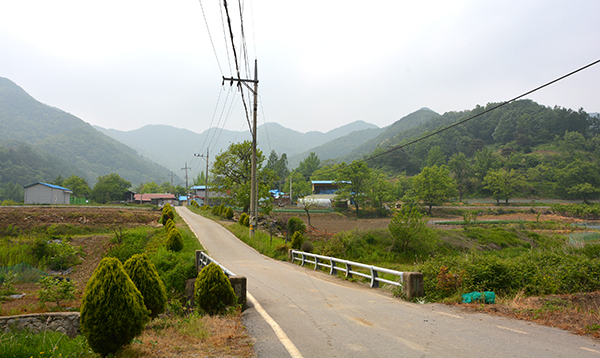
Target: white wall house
(42,193)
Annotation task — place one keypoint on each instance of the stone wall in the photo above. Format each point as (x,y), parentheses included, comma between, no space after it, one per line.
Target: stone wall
(63,322)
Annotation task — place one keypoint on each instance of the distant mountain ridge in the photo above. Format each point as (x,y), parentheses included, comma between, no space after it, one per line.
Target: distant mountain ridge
(183,143)
(68,144)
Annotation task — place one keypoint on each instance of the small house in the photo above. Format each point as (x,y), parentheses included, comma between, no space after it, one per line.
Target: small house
(44,193)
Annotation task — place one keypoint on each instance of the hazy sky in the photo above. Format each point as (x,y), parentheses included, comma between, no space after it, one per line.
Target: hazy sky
(322,63)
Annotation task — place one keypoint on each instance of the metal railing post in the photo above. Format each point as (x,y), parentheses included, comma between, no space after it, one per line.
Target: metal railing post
(303,259)
(333,267)
(348,269)
(374,282)
(316,263)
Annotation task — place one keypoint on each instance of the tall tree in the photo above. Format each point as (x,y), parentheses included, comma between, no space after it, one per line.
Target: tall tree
(503,183)
(110,187)
(78,186)
(379,191)
(461,173)
(434,185)
(309,165)
(352,180)
(231,173)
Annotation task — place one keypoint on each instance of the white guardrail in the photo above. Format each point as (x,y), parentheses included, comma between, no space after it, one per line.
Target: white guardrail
(202,259)
(346,267)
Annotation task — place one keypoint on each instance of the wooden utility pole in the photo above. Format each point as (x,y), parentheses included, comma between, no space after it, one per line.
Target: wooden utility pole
(206,176)
(253,185)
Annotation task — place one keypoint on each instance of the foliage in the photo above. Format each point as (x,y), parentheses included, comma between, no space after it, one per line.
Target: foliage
(174,240)
(242,219)
(174,269)
(503,183)
(213,291)
(132,242)
(109,188)
(279,166)
(295,224)
(144,275)
(232,174)
(433,185)
(297,240)
(308,166)
(353,180)
(79,186)
(56,289)
(407,226)
(246,222)
(229,213)
(533,272)
(7,283)
(112,308)
(167,213)
(54,344)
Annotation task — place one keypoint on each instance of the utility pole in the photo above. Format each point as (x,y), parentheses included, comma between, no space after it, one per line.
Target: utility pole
(253,185)
(206,176)
(187,188)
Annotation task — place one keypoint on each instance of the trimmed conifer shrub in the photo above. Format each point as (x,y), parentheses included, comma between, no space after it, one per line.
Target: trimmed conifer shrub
(295,224)
(174,240)
(213,291)
(167,213)
(229,213)
(242,218)
(297,240)
(170,224)
(144,275)
(112,308)
(247,221)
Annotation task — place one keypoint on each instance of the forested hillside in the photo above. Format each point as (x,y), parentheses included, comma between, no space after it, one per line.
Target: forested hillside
(533,150)
(39,142)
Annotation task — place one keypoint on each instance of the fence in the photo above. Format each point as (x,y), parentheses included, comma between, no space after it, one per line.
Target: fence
(411,282)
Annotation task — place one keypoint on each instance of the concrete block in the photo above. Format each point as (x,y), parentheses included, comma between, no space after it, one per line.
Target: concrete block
(412,284)
(239,287)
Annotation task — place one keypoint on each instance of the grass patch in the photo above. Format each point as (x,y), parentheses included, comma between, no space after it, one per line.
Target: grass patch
(46,344)
(274,247)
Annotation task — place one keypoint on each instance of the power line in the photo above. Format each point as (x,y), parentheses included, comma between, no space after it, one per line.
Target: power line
(210,37)
(480,114)
(394,148)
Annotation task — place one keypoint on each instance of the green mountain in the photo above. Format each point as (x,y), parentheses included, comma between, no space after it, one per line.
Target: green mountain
(183,143)
(39,142)
(390,135)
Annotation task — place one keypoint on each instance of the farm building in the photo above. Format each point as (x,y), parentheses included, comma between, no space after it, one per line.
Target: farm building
(156,199)
(327,187)
(43,193)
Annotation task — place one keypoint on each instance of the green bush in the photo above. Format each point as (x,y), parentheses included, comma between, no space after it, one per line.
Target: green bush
(213,291)
(174,240)
(167,213)
(133,242)
(242,218)
(169,225)
(56,289)
(247,221)
(295,224)
(174,269)
(229,213)
(297,240)
(194,203)
(145,277)
(112,308)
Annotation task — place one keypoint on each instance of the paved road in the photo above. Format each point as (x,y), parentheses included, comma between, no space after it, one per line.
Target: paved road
(324,316)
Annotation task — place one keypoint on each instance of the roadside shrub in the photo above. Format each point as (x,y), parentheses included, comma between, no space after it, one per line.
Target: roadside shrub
(242,218)
(229,213)
(307,246)
(295,224)
(169,225)
(145,277)
(56,289)
(205,207)
(247,221)
(194,203)
(213,291)
(167,213)
(174,240)
(112,308)
(297,240)
(134,242)
(174,269)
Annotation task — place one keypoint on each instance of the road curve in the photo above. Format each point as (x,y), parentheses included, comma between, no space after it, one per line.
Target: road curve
(324,316)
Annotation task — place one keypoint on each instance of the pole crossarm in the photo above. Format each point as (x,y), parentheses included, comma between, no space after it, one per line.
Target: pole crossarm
(242,81)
